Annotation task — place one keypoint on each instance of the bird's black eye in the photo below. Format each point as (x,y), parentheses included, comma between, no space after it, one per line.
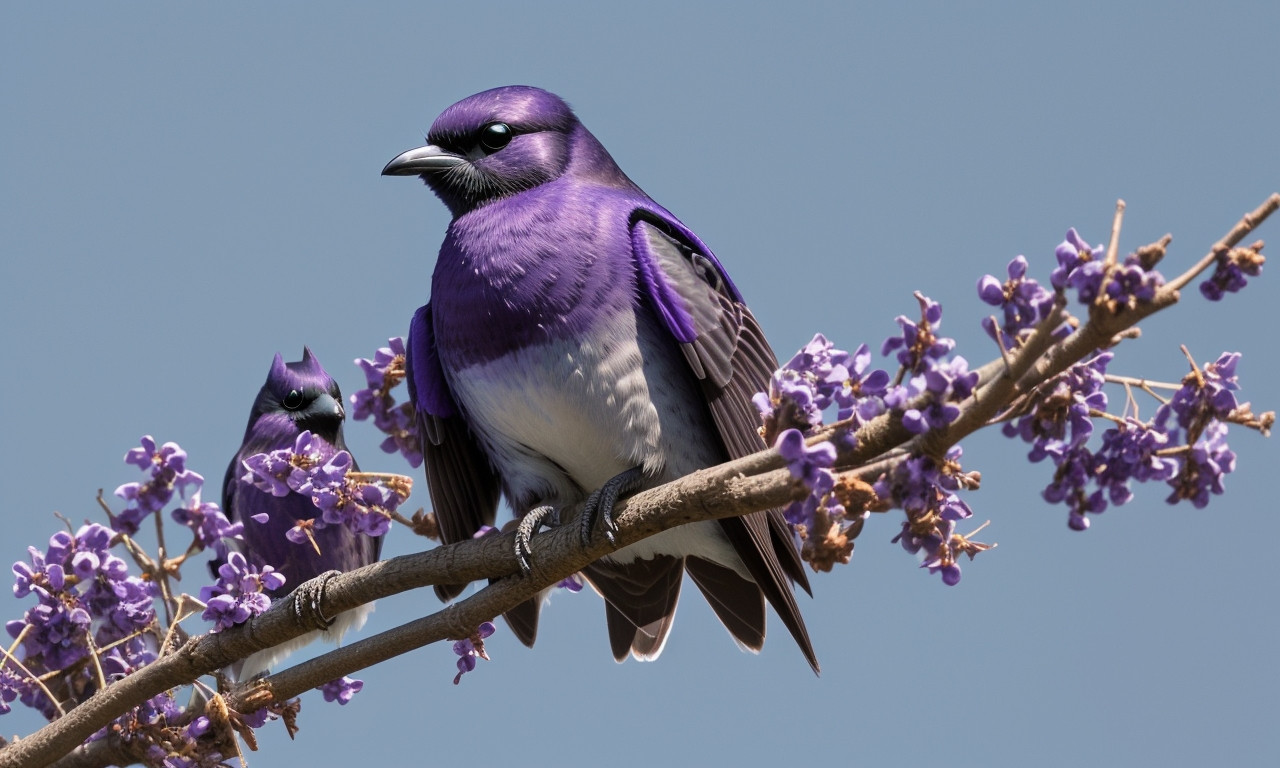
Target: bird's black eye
(494,137)
(293,400)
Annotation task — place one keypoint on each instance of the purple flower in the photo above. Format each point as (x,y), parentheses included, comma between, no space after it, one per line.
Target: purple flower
(572,582)
(471,648)
(815,378)
(341,690)
(1232,271)
(1203,396)
(947,382)
(1130,452)
(239,593)
(1022,300)
(806,464)
(1073,255)
(925,490)
(1060,417)
(1204,468)
(861,394)
(12,686)
(918,346)
(382,374)
(167,470)
(148,458)
(1129,284)
(209,525)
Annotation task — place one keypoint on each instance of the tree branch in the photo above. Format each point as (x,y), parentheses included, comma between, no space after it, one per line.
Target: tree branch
(745,485)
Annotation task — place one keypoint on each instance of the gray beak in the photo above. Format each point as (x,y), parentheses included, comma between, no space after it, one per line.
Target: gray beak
(420,161)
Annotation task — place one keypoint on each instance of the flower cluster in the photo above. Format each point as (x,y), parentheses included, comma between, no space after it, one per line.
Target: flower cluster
(1232,270)
(86,600)
(1022,301)
(831,517)
(816,378)
(923,357)
(926,490)
(167,472)
(1184,445)
(1063,407)
(471,648)
(240,592)
(382,374)
(311,468)
(209,525)
(1081,266)
(919,347)
(946,382)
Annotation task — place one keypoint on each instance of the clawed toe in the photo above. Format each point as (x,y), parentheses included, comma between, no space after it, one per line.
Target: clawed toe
(599,505)
(307,599)
(529,525)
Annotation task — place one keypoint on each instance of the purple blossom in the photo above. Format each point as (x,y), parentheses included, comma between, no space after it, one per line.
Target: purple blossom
(1070,485)
(946,382)
(1130,284)
(1231,272)
(1082,267)
(1073,255)
(167,472)
(1023,303)
(806,463)
(239,593)
(919,346)
(1060,417)
(305,467)
(861,393)
(341,690)
(573,582)
(79,584)
(471,648)
(363,507)
(11,687)
(399,422)
(209,525)
(1203,396)
(815,378)
(40,577)
(1131,452)
(1203,468)
(925,490)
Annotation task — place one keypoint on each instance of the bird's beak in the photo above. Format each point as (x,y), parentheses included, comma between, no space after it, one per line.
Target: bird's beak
(420,161)
(327,406)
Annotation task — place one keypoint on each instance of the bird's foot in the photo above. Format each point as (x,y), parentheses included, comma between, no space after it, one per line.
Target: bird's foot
(307,598)
(599,505)
(529,525)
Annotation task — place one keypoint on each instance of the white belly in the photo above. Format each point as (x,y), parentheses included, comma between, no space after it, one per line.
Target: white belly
(561,418)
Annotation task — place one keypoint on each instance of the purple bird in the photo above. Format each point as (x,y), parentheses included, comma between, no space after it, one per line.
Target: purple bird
(582,343)
(296,397)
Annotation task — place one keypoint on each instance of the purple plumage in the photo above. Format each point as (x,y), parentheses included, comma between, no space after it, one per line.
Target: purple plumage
(296,397)
(579,336)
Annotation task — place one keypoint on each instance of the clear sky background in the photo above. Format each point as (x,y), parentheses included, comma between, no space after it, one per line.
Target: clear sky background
(186,191)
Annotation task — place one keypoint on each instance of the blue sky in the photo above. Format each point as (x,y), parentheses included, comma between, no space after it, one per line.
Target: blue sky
(186,191)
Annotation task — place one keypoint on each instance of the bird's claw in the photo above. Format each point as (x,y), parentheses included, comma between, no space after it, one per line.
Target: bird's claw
(600,504)
(307,599)
(529,525)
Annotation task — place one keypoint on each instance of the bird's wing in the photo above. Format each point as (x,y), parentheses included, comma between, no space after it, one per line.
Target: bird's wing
(464,488)
(725,348)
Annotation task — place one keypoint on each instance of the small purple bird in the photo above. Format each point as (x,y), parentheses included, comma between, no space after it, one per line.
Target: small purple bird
(582,343)
(296,397)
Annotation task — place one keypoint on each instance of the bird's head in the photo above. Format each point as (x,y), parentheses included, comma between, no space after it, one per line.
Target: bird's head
(494,144)
(304,394)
